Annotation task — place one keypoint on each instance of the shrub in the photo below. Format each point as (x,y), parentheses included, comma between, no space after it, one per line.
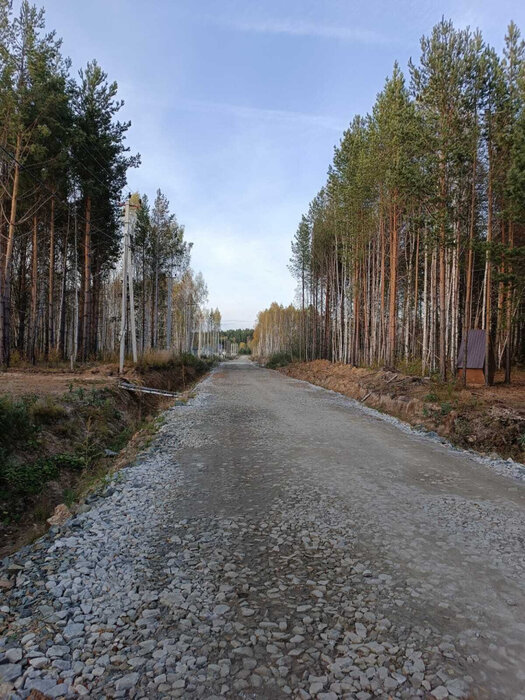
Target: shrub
(29,479)
(16,424)
(278,359)
(47,411)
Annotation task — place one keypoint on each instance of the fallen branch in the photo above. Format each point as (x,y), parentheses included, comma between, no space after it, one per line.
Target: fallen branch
(147,390)
(365,397)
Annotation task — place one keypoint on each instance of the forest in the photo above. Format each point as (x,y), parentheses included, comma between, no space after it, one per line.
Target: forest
(63,165)
(419,232)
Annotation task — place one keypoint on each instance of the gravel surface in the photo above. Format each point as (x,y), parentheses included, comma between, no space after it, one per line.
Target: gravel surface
(275,541)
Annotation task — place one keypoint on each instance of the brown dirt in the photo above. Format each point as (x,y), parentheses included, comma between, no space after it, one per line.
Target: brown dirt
(486,419)
(53,382)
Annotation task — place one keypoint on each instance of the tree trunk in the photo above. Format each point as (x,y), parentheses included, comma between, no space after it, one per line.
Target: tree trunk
(392,288)
(34,291)
(61,347)
(87,282)
(5,330)
(51,289)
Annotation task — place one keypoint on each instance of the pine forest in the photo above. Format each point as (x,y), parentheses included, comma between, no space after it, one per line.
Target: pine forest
(419,232)
(63,166)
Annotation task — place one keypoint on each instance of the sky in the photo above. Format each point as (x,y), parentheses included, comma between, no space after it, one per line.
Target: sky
(236,106)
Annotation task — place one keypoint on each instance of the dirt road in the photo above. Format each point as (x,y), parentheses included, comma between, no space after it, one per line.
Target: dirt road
(277,541)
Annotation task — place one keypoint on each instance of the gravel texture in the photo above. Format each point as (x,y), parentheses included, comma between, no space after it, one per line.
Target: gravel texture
(274,541)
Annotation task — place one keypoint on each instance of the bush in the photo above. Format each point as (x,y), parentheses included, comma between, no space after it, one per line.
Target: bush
(279,359)
(245,351)
(47,411)
(29,479)
(16,424)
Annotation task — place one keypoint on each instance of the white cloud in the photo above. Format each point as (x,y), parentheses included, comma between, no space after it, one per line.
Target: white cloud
(262,114)
(297,27)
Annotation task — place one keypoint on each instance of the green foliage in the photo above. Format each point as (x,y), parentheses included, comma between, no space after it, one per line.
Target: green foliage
(238,335)
(46,410)
(29,479)
(446,408)
(279,359)
(431,397)
(16,424)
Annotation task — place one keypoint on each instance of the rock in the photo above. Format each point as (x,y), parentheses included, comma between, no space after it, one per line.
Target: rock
(221,609)
(6,584)
(72,630)
(127,682)
(440,693)
(57,651)
(14,655)
(37,695)
(60,515)
(243,651)
(10,672)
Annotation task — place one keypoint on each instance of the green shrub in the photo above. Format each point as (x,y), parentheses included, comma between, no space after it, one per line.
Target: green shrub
(47,411)
(30,479)
(279,359)
(16,423)
(446,408)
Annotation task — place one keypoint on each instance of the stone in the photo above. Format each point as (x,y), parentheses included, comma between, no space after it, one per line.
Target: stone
(221,609)
(60,515)
(13,655)
(127,682)
(10,672)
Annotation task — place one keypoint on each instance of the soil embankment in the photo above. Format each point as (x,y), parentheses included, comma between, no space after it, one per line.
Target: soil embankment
(62,432)
(486,419)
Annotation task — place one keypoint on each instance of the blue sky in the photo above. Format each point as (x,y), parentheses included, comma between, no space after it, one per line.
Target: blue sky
(236,106)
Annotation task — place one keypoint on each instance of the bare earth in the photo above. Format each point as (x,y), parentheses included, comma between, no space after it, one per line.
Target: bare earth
(276,541)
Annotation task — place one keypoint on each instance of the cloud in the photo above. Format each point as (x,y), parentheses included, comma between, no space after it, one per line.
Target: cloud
(296,27)
(262,114)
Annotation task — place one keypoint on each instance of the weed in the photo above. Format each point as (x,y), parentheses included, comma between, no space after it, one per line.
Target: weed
(446,408)
(16,424)
(431,397)
(47,411)
(69,497)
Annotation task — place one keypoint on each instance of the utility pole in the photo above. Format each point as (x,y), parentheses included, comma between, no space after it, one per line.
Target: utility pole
(127,284)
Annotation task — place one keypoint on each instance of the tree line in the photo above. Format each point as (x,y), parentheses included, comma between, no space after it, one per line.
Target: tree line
(63,165)
(419,231)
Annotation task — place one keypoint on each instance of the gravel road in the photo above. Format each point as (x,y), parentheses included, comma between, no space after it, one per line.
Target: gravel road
(275,540)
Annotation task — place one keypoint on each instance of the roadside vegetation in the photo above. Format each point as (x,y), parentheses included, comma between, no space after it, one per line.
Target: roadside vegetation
(55,447)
